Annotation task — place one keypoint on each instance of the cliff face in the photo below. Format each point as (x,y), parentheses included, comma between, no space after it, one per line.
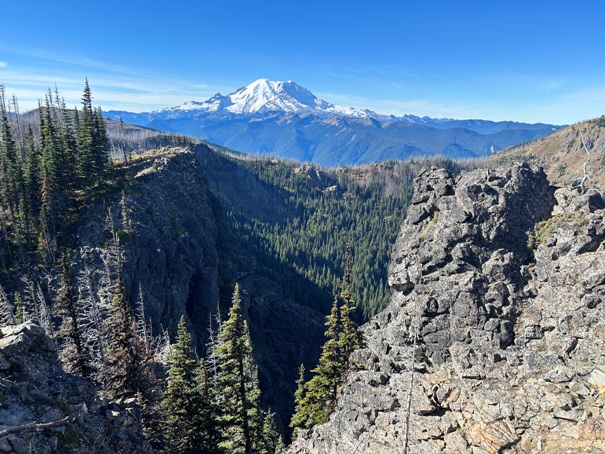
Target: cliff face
(179,257)
(488,344)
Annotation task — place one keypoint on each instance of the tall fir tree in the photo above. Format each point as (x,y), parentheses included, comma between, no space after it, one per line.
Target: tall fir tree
(86,140)
(11,170)
(299,418)
(188,426)
(318,395)
(101,145)
(238,392)
(350,337)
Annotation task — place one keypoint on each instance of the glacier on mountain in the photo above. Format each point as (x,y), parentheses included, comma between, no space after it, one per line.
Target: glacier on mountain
(263,96)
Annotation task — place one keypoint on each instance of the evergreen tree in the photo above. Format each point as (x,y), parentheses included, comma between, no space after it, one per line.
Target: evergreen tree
(208,433)
(188,423)
(125,373)
(299,418)
(271,439)
(47,242)
(238,392)
(101,145)
(11,170)
(349,338)
(316,399)
(86,140)
(125,218)
(69,145)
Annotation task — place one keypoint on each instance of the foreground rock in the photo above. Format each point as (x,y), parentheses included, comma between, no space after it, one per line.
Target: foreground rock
(44,410)
(488,345)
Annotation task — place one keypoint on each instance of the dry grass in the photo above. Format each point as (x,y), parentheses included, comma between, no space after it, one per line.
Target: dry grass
(562,155)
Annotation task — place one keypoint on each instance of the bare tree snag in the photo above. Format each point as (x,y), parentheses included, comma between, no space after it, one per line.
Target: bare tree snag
(35,427)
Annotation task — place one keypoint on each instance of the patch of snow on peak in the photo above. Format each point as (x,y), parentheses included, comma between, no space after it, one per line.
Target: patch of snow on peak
(264,95)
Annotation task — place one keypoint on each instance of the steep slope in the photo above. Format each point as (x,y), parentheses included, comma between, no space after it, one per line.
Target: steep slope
(287,120)
(487,346)
(562,155)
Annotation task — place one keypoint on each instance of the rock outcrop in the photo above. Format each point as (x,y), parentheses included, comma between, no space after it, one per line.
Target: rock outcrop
(44,410)
(494,340)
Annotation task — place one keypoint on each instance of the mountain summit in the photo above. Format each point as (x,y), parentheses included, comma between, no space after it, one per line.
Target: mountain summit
(263,96)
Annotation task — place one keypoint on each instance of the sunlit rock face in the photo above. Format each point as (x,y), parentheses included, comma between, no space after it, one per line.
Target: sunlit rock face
(494,340)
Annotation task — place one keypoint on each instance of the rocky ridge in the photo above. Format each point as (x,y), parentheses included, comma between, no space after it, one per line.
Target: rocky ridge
(565,154)
(494,338)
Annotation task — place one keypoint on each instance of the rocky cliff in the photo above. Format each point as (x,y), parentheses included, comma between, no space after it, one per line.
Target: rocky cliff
(166,231)
(494,340)
(177,251)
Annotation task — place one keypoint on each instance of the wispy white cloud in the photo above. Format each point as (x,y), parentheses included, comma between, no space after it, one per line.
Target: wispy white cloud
(3,64)
(109,94)
(78,60)
(120,91)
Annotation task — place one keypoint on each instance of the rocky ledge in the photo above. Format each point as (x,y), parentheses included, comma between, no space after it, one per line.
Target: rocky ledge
(44,410)
(494,340)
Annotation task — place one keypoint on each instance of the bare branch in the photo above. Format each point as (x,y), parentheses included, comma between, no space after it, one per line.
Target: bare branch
(35,426)
(585,178)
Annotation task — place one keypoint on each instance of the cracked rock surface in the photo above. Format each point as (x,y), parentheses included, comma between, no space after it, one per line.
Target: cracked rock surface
(494,339)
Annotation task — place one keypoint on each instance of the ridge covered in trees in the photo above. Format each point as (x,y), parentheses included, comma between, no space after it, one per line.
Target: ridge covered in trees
(47,173)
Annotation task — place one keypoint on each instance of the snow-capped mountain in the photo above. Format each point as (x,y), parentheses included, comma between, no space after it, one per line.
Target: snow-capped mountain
(263,96)
(288,120)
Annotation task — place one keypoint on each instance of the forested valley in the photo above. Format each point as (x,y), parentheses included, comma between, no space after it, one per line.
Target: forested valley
(297,219)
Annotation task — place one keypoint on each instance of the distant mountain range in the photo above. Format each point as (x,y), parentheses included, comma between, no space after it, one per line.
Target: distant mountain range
(287,120)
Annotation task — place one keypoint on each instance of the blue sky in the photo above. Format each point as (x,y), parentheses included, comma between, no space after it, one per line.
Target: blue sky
(532,61)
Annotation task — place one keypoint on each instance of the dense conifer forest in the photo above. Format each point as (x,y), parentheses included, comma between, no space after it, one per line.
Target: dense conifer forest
(298,219)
